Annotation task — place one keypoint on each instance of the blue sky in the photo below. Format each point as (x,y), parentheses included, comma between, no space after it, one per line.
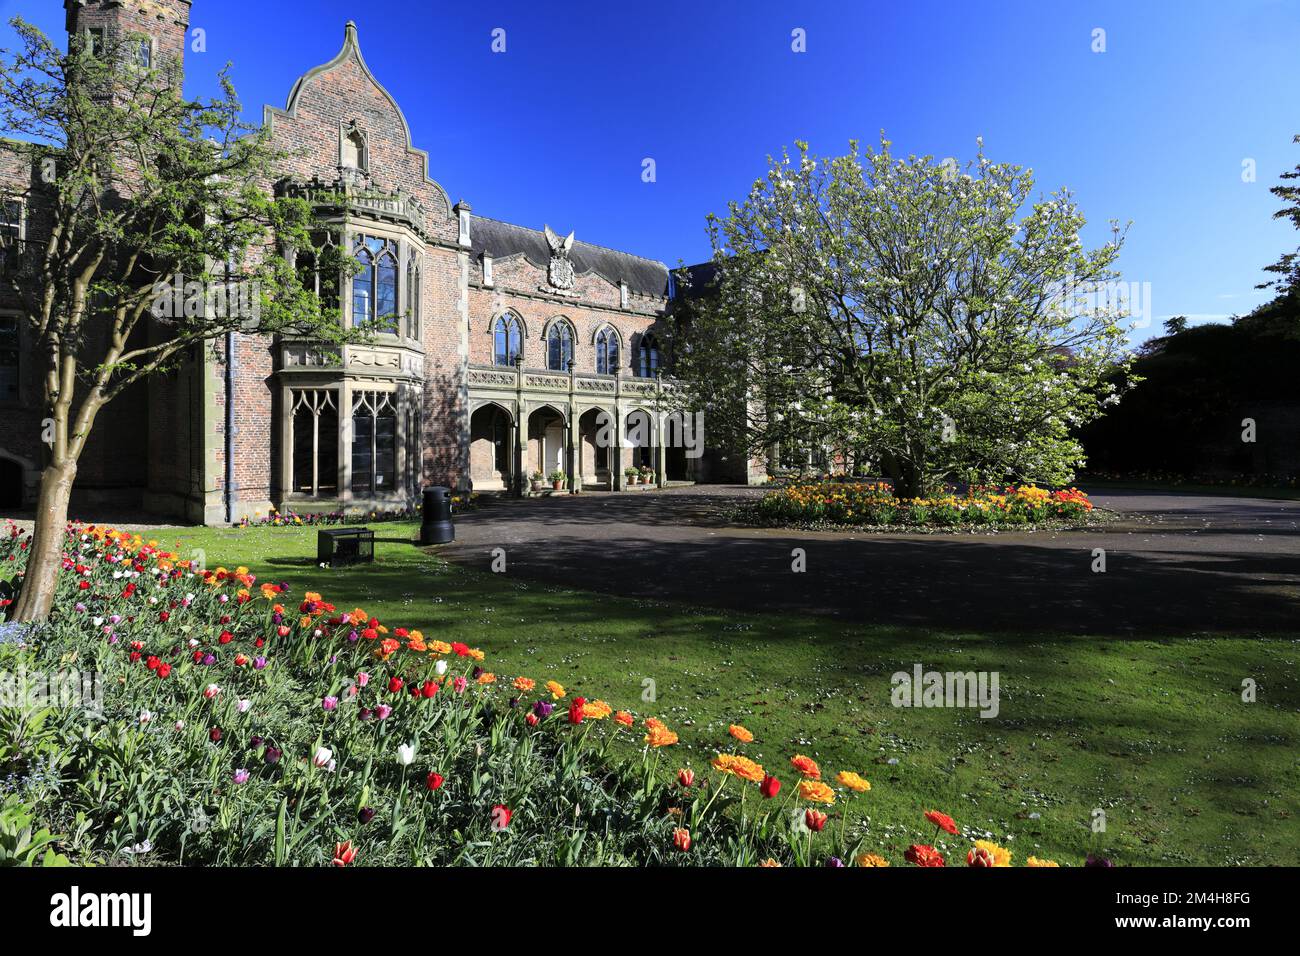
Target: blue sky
(1154,130)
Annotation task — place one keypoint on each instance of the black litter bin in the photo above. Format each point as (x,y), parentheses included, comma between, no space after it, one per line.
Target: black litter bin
(437,527)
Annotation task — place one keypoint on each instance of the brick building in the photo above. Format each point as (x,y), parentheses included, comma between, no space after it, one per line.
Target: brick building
(507,350)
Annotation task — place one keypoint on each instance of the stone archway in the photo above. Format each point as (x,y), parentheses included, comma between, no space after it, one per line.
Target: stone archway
(641,438)
(16,474)
(548,443)
(492,448)
(598,450)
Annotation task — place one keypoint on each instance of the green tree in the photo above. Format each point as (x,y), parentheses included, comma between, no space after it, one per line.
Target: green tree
(1288,267)
(900,307)
(134,185)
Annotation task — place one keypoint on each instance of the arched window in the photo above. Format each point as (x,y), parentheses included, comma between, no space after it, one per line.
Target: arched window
(505,340)
(648,359)
(413,296)
(374,287)
(374,444)
(607,352)
(559,347)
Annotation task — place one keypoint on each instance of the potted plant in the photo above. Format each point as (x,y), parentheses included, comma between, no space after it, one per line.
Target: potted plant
(647,475)
(538,480)
(632,475)
(557,479)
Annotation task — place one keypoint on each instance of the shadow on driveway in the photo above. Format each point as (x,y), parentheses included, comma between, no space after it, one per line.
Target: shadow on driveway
(1174,563)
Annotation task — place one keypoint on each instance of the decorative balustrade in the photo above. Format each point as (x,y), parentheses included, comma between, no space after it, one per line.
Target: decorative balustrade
(497,378)
(344,194)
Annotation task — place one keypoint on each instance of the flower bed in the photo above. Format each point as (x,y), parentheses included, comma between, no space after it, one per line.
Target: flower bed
(875,504)
(234,725)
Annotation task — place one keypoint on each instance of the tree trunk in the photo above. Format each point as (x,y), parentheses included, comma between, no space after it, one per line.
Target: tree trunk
(45,559)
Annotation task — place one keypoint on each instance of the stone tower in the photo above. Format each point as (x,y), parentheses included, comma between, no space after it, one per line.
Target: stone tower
(164,22)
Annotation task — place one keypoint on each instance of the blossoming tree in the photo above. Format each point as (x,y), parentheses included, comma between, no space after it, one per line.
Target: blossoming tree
(132,186)
(923,319)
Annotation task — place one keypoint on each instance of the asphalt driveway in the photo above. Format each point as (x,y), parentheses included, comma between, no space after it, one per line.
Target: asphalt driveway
(1175,563)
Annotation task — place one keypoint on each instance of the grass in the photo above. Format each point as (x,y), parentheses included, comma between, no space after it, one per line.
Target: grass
(1152,732)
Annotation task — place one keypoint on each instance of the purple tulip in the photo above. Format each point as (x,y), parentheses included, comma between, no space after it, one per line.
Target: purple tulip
(241,776)
(329,703)
(543,708)
(272,754)
(209,660)
(259,663)
(835,863)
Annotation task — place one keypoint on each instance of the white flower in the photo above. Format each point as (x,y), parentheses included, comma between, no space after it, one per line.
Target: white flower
(405,754)
(440,668)
(145,716)
(323,757)
(245,706)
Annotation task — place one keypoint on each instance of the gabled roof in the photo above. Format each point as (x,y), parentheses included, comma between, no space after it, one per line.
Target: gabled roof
(502,239)
(352,50)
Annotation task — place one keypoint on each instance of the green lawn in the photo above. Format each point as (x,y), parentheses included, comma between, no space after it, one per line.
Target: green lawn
(1153,732)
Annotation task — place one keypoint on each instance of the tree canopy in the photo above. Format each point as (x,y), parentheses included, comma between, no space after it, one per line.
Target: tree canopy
(132,188)
(929,320)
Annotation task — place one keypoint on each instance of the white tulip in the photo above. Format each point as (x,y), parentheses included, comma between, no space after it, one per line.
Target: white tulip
(405,754)
(323,757)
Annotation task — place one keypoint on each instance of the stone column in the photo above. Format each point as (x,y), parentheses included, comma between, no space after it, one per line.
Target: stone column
(575,436)
(521,431)
(616,477)
(661,451)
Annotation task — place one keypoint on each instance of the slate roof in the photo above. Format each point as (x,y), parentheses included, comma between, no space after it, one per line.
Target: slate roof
(501,239)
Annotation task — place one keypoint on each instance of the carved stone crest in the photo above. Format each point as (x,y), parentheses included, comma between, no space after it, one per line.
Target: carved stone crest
(560,274)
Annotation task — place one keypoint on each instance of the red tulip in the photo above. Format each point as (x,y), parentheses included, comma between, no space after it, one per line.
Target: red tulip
(575,710)
(395,685)
(682,839)
(686,777)
(344,853)
(428,689)
(815,820)
(770,786)
(501,815)
(434,780)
